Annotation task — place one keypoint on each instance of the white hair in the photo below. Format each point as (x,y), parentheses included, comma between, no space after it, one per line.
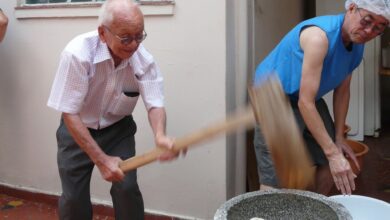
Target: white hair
(106,14)
(379,7)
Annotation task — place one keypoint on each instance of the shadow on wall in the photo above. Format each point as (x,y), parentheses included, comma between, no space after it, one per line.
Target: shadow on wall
(8,98)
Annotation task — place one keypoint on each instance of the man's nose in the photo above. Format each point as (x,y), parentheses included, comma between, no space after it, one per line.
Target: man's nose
(369,29)
(132,44)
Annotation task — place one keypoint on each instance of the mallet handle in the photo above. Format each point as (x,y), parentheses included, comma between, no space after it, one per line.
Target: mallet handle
(241,119)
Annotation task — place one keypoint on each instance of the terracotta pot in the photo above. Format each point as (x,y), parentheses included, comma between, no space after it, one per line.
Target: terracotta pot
(360,150)
(347,128)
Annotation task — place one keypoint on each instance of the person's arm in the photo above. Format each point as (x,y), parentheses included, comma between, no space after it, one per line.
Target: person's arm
(314,43)
(150,85)
(107,165)
(341,96)
(157,120)
(3,25)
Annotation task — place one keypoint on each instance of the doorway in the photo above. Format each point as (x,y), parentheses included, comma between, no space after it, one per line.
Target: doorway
(385,78)
(269,22)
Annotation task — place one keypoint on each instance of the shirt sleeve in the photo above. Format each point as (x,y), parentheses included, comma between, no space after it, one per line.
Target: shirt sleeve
(70,84)
(150,80)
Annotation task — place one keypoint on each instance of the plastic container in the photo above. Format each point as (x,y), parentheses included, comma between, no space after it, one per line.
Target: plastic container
(363,207)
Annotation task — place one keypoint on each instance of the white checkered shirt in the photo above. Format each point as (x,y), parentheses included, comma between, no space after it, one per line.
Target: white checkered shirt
(88,84)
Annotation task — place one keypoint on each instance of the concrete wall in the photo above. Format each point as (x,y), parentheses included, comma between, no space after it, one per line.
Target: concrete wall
(189,46)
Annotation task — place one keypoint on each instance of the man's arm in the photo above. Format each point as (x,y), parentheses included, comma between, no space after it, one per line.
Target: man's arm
(157,120)
(108,165)
(314,43)
(341,96)
(3,25)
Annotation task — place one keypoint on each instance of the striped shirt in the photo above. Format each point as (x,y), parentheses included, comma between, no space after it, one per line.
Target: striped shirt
(87,82)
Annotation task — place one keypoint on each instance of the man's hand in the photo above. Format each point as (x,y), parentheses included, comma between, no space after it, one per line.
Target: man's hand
(109,168)
(348,152)
(3,25)
(157,119)
(167,143)
(342,173)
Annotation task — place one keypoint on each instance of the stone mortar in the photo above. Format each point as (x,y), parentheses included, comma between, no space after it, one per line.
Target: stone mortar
(282,204)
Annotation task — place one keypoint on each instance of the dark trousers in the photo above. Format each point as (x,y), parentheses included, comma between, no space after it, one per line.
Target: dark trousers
(75,169)
(315,150)
(265,166)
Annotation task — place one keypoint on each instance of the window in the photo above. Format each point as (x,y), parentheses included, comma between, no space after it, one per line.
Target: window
(57,1)
(32,9)
(70,1)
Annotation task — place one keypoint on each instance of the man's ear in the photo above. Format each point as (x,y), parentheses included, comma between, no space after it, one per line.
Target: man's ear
(352,6)
(102,33)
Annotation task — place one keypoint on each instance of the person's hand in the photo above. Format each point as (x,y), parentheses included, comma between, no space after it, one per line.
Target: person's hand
(167,143)
(341,171)
(348,152)
(109,168)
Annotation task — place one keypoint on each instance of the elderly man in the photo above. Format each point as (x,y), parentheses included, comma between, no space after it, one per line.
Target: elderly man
(314,58)
(3,25)
(99,79)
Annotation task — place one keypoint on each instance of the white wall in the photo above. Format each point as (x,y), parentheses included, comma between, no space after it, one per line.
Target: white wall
(189,46)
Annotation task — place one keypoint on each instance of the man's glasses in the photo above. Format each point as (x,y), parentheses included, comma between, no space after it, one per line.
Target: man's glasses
(128,40)
(368,22)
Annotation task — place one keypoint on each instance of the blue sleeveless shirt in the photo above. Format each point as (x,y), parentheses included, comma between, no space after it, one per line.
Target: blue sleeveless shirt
(287,57)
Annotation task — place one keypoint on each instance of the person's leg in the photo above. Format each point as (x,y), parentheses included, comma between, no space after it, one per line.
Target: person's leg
(126,195)
(75,169)
(127,198)
(265,166)
(324,180)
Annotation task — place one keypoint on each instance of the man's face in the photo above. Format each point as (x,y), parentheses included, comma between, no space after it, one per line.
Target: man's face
(366,25)
(123,38)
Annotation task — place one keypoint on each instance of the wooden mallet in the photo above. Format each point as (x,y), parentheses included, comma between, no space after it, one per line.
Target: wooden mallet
(272,109)
(292,162)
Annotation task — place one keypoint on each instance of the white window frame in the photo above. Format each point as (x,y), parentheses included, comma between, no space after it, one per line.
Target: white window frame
(85,9)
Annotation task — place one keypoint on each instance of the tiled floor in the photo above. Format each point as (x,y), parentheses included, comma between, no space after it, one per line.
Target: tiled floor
(12,208)
(34,206)
(373,181)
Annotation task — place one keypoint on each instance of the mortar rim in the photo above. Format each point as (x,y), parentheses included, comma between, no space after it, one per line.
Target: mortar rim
(341,212)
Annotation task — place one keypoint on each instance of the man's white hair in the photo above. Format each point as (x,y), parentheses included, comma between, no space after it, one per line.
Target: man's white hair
(106,13)
(379,7)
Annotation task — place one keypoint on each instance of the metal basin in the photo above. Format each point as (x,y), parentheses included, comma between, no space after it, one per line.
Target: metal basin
(281,204)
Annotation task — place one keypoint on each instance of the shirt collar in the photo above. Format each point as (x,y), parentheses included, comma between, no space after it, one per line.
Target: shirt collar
(103,54)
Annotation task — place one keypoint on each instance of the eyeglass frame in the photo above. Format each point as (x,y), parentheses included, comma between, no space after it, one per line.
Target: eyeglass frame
(370,24)
(128,40)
